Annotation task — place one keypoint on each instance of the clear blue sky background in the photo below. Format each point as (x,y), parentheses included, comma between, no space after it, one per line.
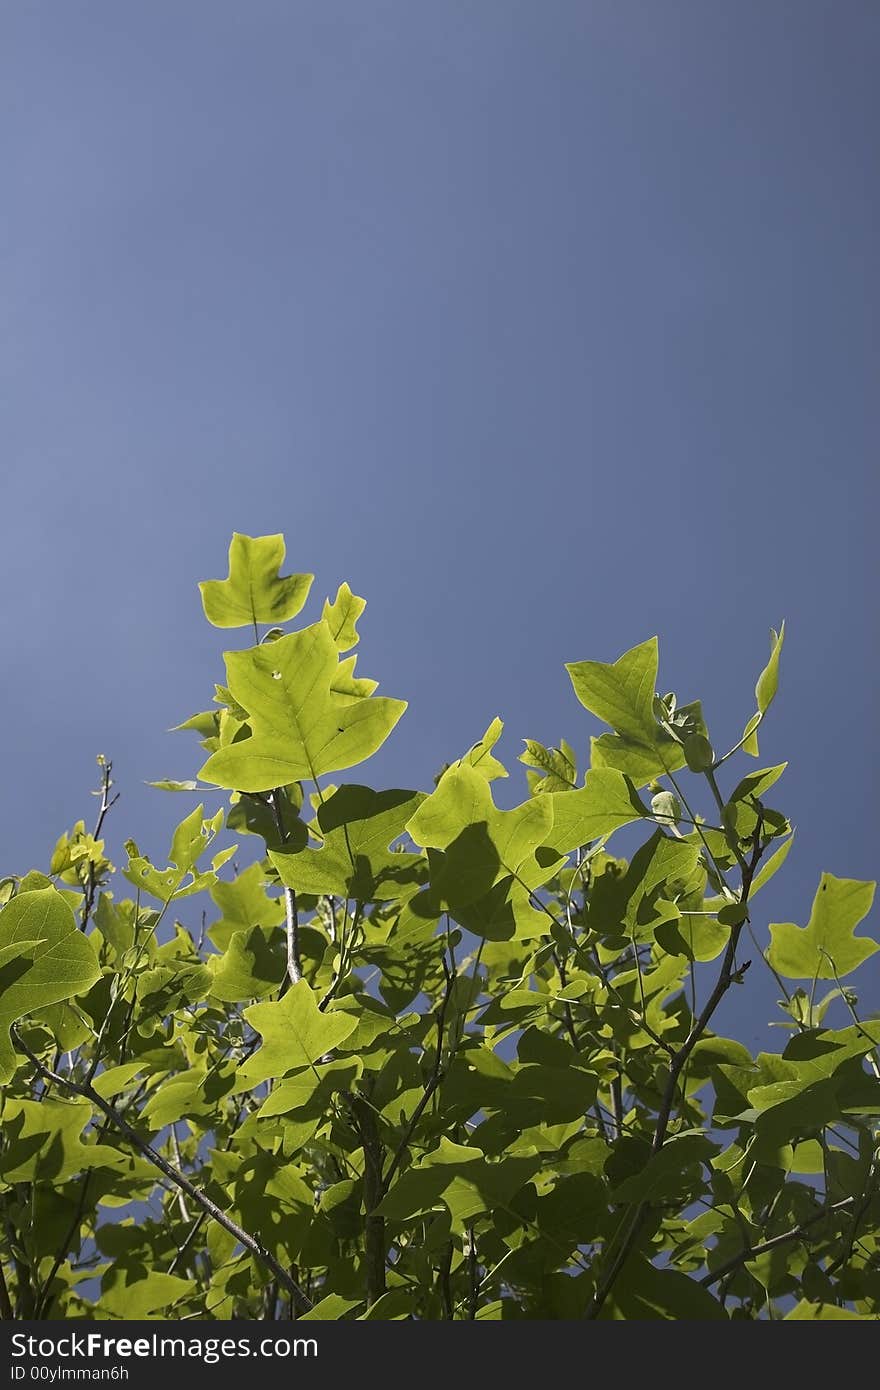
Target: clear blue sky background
(548,326)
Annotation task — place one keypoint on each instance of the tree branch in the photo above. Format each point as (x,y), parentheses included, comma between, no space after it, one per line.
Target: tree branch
(722,985)
(250,1243)
(752,1252)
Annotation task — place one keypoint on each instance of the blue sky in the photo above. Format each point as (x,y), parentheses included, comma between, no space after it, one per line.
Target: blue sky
(548,326)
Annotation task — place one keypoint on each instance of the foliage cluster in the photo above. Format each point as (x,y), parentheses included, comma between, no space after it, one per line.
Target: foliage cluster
(433,1059)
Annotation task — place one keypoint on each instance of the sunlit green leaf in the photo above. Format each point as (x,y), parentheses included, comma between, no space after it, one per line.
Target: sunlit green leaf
(302,728)
(354,861)
(341,616)
(482,844)
(294,1033)
(43,959)
(622,693)
(827,946)
(254,592)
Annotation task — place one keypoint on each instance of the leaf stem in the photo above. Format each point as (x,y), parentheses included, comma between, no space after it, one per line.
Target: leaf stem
(291,915)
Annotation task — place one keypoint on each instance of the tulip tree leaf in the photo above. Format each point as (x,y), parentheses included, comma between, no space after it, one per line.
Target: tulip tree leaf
(333,1308)
(133,1292)
(622,693)
(189,842)
(827,944)
(480,756)
(765,691)
(552,769)
(244,904)
(310,1089)
(606,801)
(252,965)
(661,1175)
(254,592)
(294,1032)
(645,1293)
(44,959)
(482,844)
(341,617)
(496,1091)
(302,728)
(42,1142)
(354,861)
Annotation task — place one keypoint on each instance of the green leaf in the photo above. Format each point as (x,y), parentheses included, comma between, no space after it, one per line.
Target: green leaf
(666,808)
(302,727)
(663,1173)
(698,753)
(341,617)
(460,1178)
(41,1142)
(827,944)
(134,1292)
(768,681)
(189,842)
(505,911)
(358,825)
(333,1308)
(482,844)
(295,1034)
(635,901)
(693,935)
(244,904)
(113,1080)
(606,801)
(180,1095)
(771,866)
(805,1311)
(622,694)
(827,1049)
(757,783)
(557,765)
(310,1090)
(639,763)
(643,1292)
(765,691)
(44,959)
(254,592)
(480,757)
(253,964)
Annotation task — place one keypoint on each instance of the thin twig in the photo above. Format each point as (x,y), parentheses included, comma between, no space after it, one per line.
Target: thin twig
(752,1252)
(431,1085)
(175,1149)
(188,1240)
(106,802)
(698,1028)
